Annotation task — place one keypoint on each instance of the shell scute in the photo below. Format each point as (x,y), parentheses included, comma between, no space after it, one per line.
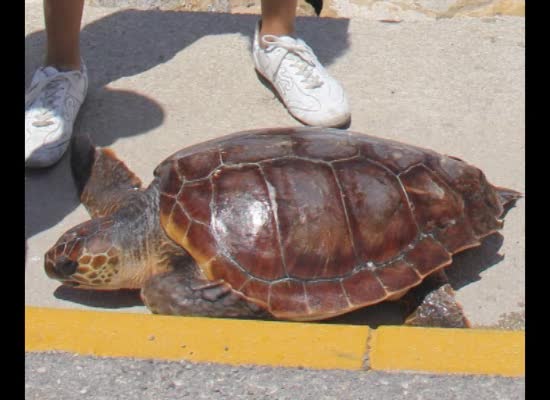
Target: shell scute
(251,149)
(379,214)
(397,275)
(428,256)
(457,236)
(198,165)
(170,181)
(326,297)
(200,243)
(257,290)
(288,297)
(243,222)
(195,198)
(435,203)
(363,288)
(309,146)
(175,220)
(395,156)
(222,268)
(315,238)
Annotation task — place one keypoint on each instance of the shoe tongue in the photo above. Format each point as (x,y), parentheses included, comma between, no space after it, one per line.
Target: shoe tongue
(287,39)
(292,40)
(49,71)
(42,73)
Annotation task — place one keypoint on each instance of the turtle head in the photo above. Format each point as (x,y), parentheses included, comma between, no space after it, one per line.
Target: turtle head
(86,257)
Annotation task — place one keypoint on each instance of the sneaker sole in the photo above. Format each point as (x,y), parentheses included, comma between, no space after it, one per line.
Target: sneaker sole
(30,163)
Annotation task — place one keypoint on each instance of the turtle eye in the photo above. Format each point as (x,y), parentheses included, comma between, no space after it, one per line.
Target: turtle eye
(66,267)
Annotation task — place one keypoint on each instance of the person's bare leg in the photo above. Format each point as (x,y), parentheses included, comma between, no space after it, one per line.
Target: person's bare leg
(278,17)
(63,19)
(58,88)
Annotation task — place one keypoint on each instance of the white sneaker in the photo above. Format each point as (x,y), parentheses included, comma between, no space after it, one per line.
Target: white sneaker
(309,93)
(51,106)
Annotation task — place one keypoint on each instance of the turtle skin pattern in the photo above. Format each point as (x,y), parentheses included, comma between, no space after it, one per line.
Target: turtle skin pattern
(313,223)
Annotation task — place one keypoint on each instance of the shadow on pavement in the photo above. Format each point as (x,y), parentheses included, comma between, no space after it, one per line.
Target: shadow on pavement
(100,299)
(468,265)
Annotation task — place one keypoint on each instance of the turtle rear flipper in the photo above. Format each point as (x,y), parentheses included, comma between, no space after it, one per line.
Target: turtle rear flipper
(102,180)
(433,304)
(507,197)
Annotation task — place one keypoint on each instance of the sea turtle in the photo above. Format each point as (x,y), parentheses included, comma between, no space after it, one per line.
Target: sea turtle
(289,223)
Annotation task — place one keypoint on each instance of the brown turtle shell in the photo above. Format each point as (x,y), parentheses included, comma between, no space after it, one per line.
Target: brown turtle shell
(311,222)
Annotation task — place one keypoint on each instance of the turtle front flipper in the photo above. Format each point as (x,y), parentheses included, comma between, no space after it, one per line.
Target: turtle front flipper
(433,304)
(178,293)
(102,180)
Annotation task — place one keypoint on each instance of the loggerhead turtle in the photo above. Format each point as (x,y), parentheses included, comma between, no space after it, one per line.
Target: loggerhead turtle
(290,223)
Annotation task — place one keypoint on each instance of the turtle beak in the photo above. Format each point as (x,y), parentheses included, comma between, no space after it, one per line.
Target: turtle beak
(62,269)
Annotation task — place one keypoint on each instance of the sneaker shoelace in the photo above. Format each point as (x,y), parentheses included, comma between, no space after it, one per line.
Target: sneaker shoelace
(303,59)
(51,88)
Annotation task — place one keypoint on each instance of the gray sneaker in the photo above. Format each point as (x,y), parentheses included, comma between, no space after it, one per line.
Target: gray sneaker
(51,105)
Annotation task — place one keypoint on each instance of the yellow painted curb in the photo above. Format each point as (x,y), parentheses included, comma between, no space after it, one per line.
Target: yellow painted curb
(286,344)
(227,341)
(472,351)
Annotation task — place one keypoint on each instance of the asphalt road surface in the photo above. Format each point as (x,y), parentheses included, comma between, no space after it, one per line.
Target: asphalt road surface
(55,376)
